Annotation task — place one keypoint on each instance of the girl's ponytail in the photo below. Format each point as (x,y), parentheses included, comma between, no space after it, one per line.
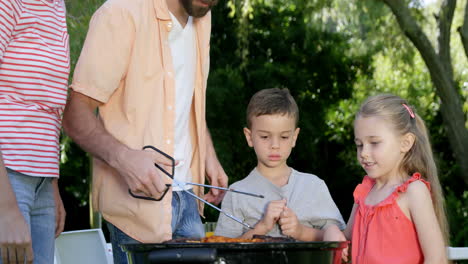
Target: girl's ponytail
(420,159)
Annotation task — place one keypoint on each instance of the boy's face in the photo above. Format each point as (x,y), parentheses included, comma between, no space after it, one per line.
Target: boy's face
(272,137)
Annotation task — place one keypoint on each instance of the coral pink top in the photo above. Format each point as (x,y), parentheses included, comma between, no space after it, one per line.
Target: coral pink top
(382,233)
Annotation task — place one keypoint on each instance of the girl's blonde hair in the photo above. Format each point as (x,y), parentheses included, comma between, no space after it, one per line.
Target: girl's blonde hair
(419,159)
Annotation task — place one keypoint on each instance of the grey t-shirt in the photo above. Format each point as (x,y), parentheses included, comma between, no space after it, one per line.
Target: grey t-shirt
(306,194)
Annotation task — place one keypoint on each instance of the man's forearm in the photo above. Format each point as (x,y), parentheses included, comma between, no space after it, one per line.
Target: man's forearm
(210,150)
(83,126)
(135,166)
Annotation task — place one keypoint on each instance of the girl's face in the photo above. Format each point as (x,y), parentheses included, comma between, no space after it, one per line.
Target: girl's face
(272,137)
(380,149)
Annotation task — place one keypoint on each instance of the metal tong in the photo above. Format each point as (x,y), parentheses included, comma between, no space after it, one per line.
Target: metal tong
(182,185)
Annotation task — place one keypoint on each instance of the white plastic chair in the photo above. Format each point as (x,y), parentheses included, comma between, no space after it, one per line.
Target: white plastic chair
(82,246)
(457,253)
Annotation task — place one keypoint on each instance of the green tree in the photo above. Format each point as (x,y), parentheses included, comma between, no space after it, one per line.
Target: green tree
(74,163)
(264,44)
(331,55)
(397,67)
(439,62)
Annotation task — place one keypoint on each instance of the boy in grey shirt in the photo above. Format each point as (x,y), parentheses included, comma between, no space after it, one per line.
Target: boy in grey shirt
(297,205)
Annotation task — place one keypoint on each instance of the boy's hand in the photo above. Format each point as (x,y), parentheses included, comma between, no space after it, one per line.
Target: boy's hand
(290,225)
(333,233)
(272,214)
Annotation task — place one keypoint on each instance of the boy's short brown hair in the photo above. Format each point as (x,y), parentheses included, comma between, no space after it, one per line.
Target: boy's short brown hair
(271,102)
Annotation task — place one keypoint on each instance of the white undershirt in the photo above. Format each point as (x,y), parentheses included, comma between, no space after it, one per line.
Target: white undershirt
(184,53)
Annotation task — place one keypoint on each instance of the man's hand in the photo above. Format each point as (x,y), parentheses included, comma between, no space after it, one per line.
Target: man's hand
(138,170)
(135,166)
(59,209)
(15,238)
(216,177)
(290,225)
(215,174)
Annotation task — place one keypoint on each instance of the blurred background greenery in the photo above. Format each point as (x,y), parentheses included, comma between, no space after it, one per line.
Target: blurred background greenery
(331,54)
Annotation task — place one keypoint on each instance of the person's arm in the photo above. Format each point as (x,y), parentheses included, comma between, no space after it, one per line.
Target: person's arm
(324,208)
(8,22)
(214,173)
(349,226)
(425,220)
(15,237)
(59,209)
(290,226)
(333,233)
(135,166)
(270,218)
(103,64)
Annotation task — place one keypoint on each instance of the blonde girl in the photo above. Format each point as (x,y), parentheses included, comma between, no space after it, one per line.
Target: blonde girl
(398,214)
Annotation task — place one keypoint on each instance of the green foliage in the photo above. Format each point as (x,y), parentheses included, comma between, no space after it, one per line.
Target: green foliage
(398,68)
(74,163)
(74,183)
(331,55)
(457,213)
(79,13)
(283,50)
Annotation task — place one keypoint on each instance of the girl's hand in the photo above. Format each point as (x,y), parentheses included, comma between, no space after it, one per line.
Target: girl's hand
(289,223)
(272,214)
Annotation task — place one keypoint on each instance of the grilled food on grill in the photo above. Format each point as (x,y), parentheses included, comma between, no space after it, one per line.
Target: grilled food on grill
(274,239)
(223,239)
(183,240)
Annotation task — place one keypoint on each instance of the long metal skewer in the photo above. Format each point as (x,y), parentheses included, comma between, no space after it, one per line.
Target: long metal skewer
(226,189)
(212,205)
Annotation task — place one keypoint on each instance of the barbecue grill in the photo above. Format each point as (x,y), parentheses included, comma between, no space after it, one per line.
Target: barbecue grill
(237,253)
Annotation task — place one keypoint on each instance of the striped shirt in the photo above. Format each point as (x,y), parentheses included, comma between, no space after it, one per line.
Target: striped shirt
(34,68)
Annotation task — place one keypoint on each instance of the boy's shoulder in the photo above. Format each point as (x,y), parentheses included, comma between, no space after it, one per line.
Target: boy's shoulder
(254,179)
(308,177)
(247,181)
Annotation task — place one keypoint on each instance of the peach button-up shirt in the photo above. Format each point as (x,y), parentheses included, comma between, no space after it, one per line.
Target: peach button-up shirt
(126,64)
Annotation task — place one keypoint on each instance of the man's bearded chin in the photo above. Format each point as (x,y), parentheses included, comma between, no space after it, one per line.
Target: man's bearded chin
(197,11)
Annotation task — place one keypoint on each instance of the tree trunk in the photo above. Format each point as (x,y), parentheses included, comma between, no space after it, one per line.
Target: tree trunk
(440,69)
(463,30)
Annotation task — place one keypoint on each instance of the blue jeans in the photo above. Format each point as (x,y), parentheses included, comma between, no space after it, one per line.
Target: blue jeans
(36,202)
(186,222)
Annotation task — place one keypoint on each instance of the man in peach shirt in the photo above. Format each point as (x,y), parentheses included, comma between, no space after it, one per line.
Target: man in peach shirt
(144,65)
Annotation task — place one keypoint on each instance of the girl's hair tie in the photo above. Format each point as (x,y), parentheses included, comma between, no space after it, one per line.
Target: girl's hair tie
(411,113)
